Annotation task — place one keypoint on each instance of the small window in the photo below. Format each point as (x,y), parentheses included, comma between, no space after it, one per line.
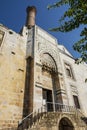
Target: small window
(1,36)
(76,101)
(68,70)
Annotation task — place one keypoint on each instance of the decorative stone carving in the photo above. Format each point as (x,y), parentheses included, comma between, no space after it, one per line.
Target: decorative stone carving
(52,55)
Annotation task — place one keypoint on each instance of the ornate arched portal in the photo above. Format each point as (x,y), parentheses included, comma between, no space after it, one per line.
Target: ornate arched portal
(65,124)
(50,80)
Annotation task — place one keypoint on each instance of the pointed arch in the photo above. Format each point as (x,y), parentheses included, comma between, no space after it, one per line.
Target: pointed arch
(48,60)
(65,124)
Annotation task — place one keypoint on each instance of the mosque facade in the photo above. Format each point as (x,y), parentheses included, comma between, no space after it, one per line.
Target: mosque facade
(41,86)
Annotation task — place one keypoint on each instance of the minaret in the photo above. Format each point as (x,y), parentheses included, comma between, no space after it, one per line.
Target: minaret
(31,13)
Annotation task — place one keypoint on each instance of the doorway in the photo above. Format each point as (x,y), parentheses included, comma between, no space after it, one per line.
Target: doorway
(65,124)
(47,97)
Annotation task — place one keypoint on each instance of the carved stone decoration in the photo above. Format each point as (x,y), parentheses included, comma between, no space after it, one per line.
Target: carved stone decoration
(52,55)
(1,36)
(47,60)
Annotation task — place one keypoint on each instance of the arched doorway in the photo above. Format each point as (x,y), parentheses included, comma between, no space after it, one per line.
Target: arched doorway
(65,124)
(49,80)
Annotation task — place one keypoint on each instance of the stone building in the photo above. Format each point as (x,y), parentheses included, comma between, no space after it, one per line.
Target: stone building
(41,87)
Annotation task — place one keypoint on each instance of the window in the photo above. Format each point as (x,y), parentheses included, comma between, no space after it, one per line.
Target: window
(1,36)
(76,101)
(68,70)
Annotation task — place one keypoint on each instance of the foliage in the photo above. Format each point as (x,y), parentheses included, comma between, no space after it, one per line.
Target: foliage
(76,15)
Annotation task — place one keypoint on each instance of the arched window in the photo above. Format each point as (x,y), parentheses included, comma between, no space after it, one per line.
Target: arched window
(69,72)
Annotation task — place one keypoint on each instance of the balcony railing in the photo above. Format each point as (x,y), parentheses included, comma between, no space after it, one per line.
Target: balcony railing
(58,107)
(35,116)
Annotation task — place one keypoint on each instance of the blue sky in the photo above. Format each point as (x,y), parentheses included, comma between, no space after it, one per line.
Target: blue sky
(13,16)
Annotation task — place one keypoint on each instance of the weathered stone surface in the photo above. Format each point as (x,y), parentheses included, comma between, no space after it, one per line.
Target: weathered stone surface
(12,79)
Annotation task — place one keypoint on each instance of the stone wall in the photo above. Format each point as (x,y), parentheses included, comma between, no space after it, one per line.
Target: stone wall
(12,78)
(51,121)
(75,85)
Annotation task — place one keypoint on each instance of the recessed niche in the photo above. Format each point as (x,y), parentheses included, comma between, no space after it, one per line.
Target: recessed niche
(13,53)
(21,70)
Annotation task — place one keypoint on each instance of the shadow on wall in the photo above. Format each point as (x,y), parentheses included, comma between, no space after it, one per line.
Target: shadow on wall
(28,93)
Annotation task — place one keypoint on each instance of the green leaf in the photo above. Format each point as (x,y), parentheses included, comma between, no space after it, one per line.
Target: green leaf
(77,16)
